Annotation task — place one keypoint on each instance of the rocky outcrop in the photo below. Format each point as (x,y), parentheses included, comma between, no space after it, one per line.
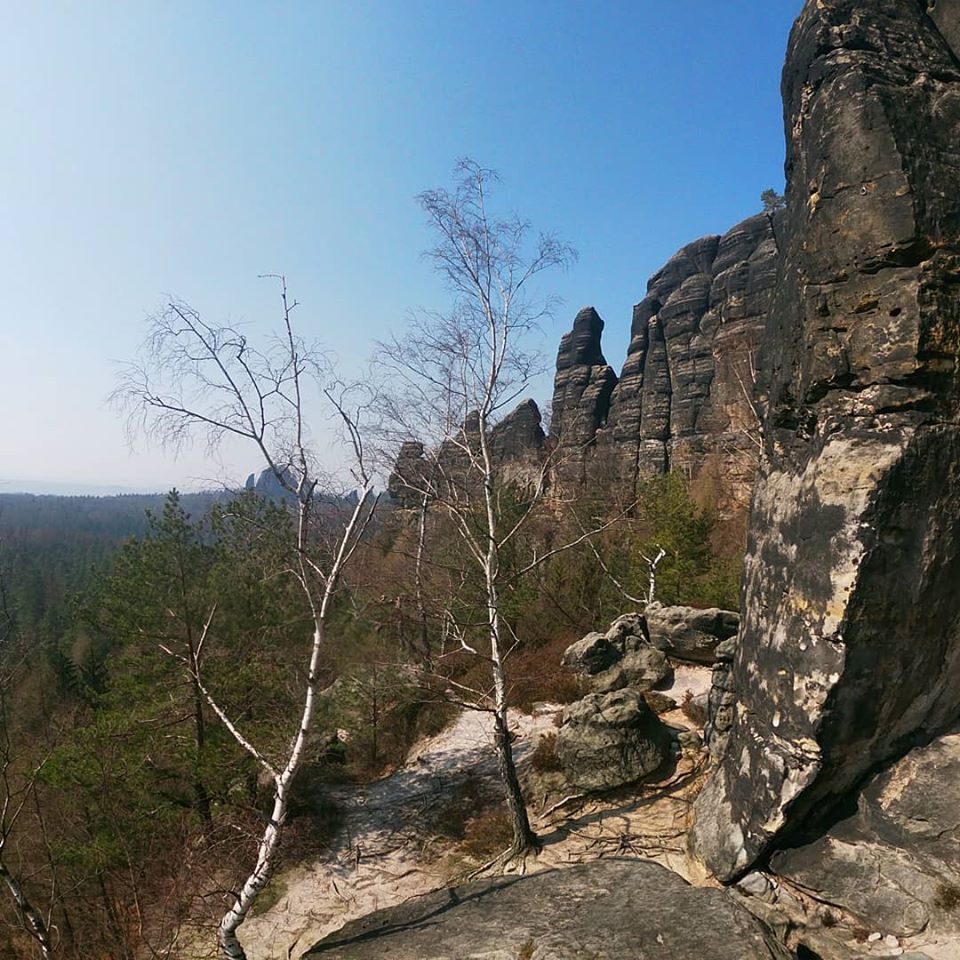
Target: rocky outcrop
(518,435)
(641,669)
(516,446)
(268,484)
(685,397)
(583,384)
(592,654)
(582,388)
(610,739)
(686,633)
(578,912)
(894,865)
(850,644)
(722,700)
(410,478)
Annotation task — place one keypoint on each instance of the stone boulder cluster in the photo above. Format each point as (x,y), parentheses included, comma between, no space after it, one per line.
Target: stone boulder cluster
(817,350)
(614,736)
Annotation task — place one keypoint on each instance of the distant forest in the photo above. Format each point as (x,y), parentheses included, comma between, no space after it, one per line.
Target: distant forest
(52,546)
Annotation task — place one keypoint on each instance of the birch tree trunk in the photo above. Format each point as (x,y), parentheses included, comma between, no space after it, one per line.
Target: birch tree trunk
(524,839)
(32,917)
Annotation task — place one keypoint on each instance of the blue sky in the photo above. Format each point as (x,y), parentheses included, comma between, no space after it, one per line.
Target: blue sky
(184,148)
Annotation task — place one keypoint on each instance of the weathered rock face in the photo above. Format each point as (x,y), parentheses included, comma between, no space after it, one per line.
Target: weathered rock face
(410,475)
(593,654)
(516,445)
(850,643)
(609,739)
(895,864)
(518,435)
(562,915)
(583,384)
(640,670)
(685,397)
(722,699)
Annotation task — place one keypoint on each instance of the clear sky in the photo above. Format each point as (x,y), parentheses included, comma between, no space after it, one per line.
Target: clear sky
(152,148)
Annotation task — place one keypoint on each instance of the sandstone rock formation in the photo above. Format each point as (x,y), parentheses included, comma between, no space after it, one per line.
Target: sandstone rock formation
(685,397)
(516,444)
(582,388)
(592,654)
(894,865)
(640,669)
(722,700)
(584,382)
(562,915)
(610,739)
(689,634)
(850,646)
(410,476)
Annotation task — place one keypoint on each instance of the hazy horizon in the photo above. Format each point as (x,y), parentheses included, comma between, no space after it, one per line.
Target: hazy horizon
(66,488)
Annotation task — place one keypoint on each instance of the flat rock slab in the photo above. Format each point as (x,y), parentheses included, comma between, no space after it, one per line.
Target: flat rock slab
(603,910)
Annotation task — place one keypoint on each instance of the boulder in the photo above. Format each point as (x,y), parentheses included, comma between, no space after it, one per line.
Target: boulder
(640,669)
(610,739)
(592,654)
(894,865)
(686,633)
(659,702)
(629,632)
(518,435)
(613,908)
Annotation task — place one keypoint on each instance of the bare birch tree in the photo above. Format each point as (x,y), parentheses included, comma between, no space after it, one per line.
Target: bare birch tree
(196,378)
(451,377)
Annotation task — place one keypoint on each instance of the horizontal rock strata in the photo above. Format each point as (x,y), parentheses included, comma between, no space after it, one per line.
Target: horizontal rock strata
(685,398)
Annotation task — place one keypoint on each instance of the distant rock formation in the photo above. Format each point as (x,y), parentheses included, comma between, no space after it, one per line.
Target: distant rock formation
(685,398)
(267,484)
(516,444)
(850,645)
(582,388)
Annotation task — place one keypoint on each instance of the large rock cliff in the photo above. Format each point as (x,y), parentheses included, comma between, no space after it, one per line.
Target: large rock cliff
(850,646)
(685,398)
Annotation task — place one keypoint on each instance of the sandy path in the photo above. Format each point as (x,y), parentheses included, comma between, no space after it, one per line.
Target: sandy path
(380,859)
(384,856)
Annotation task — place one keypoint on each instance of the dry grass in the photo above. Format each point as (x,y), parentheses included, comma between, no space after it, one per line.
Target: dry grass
(536,674)
(947,896)
(487,835)
(544,759)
